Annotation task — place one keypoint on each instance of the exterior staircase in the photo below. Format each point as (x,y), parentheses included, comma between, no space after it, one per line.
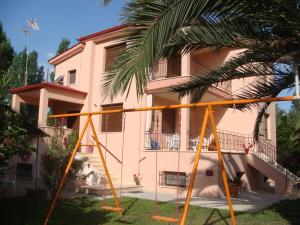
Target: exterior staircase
(263,158)
(99,185)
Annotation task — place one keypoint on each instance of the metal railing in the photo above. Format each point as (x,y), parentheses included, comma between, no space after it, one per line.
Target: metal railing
(229,141)
(265,149)
(162,141)
(165,69)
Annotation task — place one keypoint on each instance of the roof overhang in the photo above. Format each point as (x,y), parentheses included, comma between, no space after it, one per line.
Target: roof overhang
(47,85)
(67,54)
(102,34)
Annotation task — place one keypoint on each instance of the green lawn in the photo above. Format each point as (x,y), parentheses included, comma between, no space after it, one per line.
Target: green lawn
(85,211)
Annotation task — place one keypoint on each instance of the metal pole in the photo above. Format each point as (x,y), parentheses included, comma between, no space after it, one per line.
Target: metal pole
(194,171)
(221,164)
(61,184)
(104,165)
(26,66)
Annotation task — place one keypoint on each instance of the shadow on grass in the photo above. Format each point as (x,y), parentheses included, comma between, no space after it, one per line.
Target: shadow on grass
(25,211)
(288,209)
(124,219)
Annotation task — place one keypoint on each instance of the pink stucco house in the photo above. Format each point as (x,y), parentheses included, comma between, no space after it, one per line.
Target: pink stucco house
(163,139)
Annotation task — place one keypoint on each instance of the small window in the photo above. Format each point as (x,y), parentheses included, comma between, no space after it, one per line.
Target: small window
(112,122)
(263,127)
(72,77)
(112,53)
(209,173)
(172,178)
(24,170)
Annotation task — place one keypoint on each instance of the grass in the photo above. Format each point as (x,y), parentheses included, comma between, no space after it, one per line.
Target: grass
(87,211)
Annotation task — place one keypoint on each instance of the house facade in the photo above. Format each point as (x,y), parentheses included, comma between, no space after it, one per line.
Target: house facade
(158,146)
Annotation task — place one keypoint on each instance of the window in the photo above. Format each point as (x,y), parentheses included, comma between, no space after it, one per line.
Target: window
(209,173)
(72,77)
(73,121)
(172,178)
(112,122)
(263,127)
(112,53)
(24,170)
(168,121)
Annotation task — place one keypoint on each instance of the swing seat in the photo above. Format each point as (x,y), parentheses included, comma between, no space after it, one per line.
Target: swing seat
(166,219)
(113,209)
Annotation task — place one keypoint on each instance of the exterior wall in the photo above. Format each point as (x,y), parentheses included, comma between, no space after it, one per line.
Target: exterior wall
(128,146)
(211,186)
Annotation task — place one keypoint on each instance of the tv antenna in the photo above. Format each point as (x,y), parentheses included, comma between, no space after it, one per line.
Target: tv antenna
(31,25)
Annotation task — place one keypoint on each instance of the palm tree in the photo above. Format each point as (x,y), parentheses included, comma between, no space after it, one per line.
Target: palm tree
(268,30)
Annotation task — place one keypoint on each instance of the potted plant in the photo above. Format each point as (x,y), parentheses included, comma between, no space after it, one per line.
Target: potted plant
(137,179)
(234,184)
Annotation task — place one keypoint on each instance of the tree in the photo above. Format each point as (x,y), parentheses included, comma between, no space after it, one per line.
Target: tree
(63,46)
(6,52)
(288,133)
(14,137)
(6,57)
(268,31)
(16,73)
(57,156)
(18,66)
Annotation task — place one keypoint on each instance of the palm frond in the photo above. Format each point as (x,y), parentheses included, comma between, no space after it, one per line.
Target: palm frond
(250,63)
(153,25)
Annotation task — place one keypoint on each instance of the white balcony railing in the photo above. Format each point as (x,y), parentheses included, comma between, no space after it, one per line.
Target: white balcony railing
(162,141)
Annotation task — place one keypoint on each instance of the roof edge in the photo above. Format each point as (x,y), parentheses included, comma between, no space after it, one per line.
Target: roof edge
(102,32)
(67,53)
(46,85)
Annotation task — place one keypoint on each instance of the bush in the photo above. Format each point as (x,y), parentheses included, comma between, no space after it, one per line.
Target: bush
(56,158)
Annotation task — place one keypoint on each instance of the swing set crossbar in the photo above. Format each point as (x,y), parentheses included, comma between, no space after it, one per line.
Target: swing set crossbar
(165,219)
(179,106)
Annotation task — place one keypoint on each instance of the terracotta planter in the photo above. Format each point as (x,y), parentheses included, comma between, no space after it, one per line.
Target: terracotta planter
(233,188)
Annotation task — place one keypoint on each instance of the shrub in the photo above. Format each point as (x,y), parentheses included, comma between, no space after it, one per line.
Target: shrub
(56,158)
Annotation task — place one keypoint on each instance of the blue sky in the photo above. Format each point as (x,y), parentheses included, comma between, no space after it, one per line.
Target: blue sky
(60,19)
(57,19)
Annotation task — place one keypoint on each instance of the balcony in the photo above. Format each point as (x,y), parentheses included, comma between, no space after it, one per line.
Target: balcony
(229,141)
(166,68)
(162,141)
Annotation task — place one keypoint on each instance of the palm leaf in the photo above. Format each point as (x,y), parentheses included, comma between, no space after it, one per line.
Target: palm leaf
(154,23)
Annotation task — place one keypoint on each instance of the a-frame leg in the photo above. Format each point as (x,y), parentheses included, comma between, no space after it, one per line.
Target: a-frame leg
(221,163)
(62,181)
(194,171)
(118,208)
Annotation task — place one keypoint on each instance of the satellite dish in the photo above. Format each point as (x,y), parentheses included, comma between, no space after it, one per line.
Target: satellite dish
(59,79)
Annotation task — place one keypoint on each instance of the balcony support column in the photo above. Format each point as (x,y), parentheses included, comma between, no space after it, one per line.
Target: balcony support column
(185,112)
(16,103)
(186,64)
(43,108)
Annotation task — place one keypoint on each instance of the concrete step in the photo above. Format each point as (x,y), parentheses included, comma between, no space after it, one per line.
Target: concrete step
(105,189)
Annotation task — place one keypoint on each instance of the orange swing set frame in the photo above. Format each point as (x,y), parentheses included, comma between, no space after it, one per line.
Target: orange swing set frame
(208,116)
